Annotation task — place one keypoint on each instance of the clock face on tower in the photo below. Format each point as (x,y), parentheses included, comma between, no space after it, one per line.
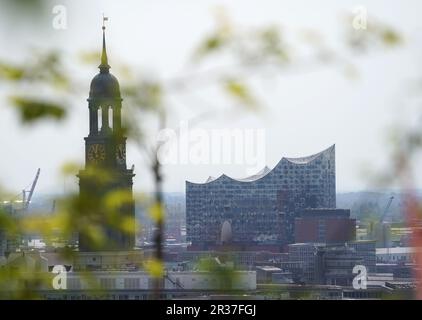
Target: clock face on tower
(96,153)
(120,153)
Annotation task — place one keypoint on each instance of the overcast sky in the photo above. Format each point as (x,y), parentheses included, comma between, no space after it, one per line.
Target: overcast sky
(305,112)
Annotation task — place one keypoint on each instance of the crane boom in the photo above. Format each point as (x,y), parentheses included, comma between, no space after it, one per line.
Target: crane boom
(31,191)
(384,215)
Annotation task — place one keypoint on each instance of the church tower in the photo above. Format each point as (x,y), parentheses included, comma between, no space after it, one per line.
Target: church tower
(105,152)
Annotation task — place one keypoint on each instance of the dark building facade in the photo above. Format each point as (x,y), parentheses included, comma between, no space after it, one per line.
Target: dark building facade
(335,265)
(105,170)
(331,264)
(325,225)
(261,209)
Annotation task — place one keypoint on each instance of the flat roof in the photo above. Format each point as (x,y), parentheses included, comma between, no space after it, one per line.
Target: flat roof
(268,268)
(395,250)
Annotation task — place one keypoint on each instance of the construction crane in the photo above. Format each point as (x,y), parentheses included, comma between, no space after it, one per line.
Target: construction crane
(27,194)
(14,242)
(379,229)
(384,215)
(385,226)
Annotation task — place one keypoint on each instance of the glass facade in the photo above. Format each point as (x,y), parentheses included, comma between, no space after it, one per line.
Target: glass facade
(260,209)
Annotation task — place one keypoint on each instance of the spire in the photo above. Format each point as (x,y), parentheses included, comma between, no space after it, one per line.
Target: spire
(104,67)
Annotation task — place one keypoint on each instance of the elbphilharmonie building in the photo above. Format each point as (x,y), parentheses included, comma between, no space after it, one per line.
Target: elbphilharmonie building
(258,212)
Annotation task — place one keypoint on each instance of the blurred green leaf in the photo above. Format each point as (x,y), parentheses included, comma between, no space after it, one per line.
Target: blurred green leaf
(272,44)
(31,110)
(90,57)
(211,44)
(10,72)
(221,37)
(240,92)
(145,94)
(155,268)
(70,169)
(156,212)
(390,37)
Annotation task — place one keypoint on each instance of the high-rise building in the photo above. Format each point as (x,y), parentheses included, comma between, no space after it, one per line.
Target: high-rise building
(105,153)
(261,209)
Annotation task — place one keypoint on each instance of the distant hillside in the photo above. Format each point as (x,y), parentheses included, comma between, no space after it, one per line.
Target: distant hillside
(363,205)
(368,204)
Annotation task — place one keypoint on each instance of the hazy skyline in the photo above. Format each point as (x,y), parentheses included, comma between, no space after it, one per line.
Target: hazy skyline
(305,111)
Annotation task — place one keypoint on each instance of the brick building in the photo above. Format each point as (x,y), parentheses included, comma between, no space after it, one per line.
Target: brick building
(325,225)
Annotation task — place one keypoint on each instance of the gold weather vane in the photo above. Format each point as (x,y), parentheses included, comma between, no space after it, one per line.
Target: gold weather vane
(104,63)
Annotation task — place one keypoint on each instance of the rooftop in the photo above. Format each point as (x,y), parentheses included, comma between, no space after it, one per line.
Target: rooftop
(266,170)
(395,250)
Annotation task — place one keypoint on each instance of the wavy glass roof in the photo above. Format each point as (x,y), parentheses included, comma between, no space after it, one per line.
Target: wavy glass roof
(266,170)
